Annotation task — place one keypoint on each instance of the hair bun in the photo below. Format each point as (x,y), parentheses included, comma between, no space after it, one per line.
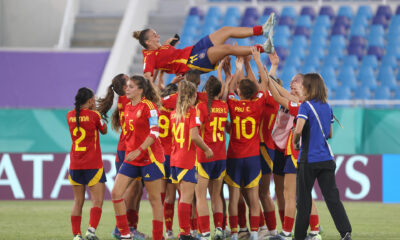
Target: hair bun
(136,34)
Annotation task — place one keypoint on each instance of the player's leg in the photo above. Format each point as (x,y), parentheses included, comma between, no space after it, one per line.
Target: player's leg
(202,206)
(169,206)
(97,197)
(132,197)
(267,204)
(254,210)
(185,206)
(289,192)
(234,195)
(76,213)
(154,192)
(217,207)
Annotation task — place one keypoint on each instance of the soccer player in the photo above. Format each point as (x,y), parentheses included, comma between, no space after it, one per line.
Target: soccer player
(144,155)
(314,124)
(133,194)
(213,115)
(86,165)
(203,55)
(243,164)
(185,132)
(166,142)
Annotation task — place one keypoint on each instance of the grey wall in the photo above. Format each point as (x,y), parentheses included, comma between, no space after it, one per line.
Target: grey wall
(27,23)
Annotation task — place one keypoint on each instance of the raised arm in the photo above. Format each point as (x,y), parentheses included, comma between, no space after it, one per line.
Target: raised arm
(263,74)
(277,97)
(247,67)
(274,59)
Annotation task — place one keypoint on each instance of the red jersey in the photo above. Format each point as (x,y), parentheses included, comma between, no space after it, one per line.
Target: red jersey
(271,109)
(166,58)
(212,129)
(171,100)
(293,110)
(142,121)
(122,101)
(183,153)
(85,150)
(245,117)
(165,130)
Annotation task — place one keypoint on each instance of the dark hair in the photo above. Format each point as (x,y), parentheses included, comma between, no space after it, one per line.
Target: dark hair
(141,36)
(83,95)
(169,89)
(247,88)
(193,76)
(315,88)
(149,91)
(105,104)
(213,88)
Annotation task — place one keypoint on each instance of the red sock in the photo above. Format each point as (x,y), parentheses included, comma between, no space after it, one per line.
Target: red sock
(233,222)
(282,216)
(270,219)
(168,215)
(95,215)
(241,215)
(122,224)
(157,230)
(162,197)
(218,219)
(261,219)
(133,218)
(224,222)
(204,223)
(257,30)
(259,48)
(254,223)
(314,223)
(184,210)
(193,224)
(76,225)
(288,224)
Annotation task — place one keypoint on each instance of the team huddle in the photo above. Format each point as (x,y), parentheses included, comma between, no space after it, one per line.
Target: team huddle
(173,139)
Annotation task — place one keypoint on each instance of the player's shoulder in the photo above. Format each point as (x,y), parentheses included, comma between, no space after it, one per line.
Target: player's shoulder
(149,104)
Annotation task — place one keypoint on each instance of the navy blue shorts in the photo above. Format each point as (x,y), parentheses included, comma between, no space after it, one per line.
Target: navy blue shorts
(167,168)
(215,170)
(183,174)
(290,164)
(88,177)
(149,172)
(266,157)
(279,163)
(120,158)
(198,57)
(243,172)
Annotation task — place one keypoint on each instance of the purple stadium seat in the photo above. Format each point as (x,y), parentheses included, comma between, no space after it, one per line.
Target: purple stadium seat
(282,52)
(357,41)
(269,10)
(196,11)
(249,21)
(380,20)
(339,30)
(384,10)
(328,11)
(398,10)
(251,11)
(299,30)
(308,10)
(356,50)
(377,51)
(342,20)
(286,20)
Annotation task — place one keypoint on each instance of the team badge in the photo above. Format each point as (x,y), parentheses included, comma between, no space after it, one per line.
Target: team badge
(202,55)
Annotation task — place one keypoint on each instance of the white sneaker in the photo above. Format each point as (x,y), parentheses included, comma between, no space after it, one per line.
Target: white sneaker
(169,235)
(269,25)
(262,233)
(218,234)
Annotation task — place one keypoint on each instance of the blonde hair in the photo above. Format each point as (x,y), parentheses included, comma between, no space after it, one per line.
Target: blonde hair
(186,97)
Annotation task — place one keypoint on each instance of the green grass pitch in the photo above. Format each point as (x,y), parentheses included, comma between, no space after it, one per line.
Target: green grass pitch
(51,220)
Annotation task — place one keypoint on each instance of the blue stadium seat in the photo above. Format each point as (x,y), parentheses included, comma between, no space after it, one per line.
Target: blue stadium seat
(304,31)
(211,22)
(345,10)
(351,61)
(327,11)
(384,10)
(342,21)
(370,61)
(394,25)
(398,10)
(269,10)
(376,30)
(337,41)
(382,93)
(329,75)
(309,11)
(386,77)
(357,41)
(251,11)
(323,21)
(287,74)
(308,69)
(364,11)
(243,41)
(331,61)
(347,77)
(248,21)
(192,21)
(289,11)
(380,20)
(363,93)
(316,51)
(214,12)
(299,40)
(263,19)
(304,21)
(377,51)
(261,40)
(318,40)
(356,50)
(230,20)
(319,32)
(389,60)
(282,30)
(233,11)
(206,30)
(357,30)
(397,94)
(343,93)
(293,60)
(375,40)
(367,77)
(360,21)
(393,49)
(282,52)
(312,61)
(286,21)
(280,40)
(298,50)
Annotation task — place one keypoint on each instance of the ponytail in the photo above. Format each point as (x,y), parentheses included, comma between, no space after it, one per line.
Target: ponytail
(141,36)
(213,88)
(83,95)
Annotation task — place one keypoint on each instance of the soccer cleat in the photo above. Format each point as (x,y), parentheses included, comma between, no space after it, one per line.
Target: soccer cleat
(195,234)
(169,235)
(268,45)
(254,236)
(218,234)
(90,235)
(227,233)
(347,236)
(234,236)
(205,236)
(185,237)
(269,25)
(281,236)
(320,229)
(244,234)
(262,232)
(77,237)
(137,235)
(116,233)
(312,236)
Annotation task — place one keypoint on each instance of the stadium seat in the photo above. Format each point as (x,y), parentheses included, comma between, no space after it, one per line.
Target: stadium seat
(248,22)
(319,31)
(281,52)
(357,41)
(375,40)
(206,30)
(360,21)
(304,21)
(347,77)
(230,20)
(286,21)
(196,11)
(393,49)
(351,61)
(308,69)
(356,50)
(329,76)
(323,21)
(377,51)
(384,10)
(309,11)
(397,94)
(338,30)
(343,93)
(287,74)
(357,30)
(380,20)
(312,61)
(386,77)
(342,21)
(331,61)
(192,21)
(293,60)
(251,12)
(389,60)
(282,31)
(318,40)
(370,61)
(376,30)
(211,22)
(345,10)
(366,77)
(280,41)
(382,93)
(364,11)
(337,41)
(299,40)
(327,11)
(298,51)
(214,12)
(268,10)
(362,93)
(233,11)
(289,12)
(398,10)
(299,30)
(316,51)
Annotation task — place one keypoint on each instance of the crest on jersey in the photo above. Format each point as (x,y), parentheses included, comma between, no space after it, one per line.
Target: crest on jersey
(202,55)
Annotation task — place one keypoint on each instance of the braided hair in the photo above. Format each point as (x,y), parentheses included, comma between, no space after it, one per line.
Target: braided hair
(83,95)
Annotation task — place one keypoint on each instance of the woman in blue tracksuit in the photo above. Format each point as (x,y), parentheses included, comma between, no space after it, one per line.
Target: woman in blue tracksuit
(314,125)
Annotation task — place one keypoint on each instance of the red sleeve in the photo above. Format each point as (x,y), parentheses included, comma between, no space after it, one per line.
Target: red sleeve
(99,121)
(194,120)
(293,108)
(149,62)
(200,109)
(260,99)
(269,100)
(169,102)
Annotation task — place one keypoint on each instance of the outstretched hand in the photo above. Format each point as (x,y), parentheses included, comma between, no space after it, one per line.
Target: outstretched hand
(273,58)
(239,63)
(255,53)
